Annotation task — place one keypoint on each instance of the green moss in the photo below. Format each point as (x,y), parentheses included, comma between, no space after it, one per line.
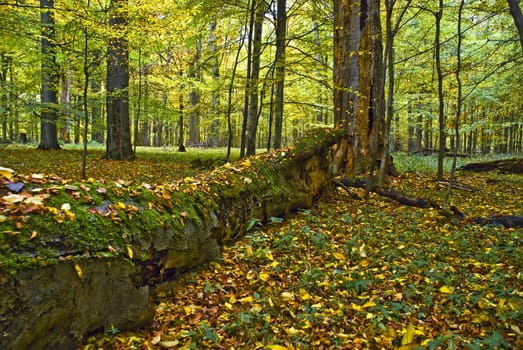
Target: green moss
(109,217)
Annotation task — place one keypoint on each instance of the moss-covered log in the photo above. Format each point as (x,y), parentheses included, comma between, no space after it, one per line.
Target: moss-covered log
(77,258)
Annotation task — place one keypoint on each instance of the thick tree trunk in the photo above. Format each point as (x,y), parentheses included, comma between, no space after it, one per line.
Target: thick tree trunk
(253,115)
(358,78)
(281,29)
(50,78)
(118,144)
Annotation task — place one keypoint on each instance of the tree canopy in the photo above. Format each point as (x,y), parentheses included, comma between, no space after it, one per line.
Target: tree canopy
(178,65)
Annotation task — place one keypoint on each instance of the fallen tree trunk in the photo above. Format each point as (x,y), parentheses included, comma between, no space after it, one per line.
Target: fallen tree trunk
(507,221)
(454,212)
(392,194)
(514,166)
(79,258)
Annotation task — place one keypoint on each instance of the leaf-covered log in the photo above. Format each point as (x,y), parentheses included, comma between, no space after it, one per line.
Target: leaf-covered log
(85,257)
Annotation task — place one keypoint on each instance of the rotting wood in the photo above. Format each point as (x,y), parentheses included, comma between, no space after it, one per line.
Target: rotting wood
(53,303)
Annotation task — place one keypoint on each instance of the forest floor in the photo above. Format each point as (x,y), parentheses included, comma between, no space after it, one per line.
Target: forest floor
(346,274)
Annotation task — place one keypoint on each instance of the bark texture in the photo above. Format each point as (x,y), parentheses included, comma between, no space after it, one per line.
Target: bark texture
(50,78)
(118,143)
(357,82)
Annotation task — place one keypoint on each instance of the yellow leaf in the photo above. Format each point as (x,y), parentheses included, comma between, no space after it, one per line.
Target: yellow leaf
(264,276)
(408,337)
(130,252)
(188,310)
(232,299)
(248,251)
(121,205)
(368,304)
(246,163)
(248,299)
(365,262)
(305,295)
(287,296)
(447,289)
(33,234)
(6,172)
(228,305)
(339,256)
(355,307)
(275,347)
(13,198)
(270,257)
(293,331)
(78,270)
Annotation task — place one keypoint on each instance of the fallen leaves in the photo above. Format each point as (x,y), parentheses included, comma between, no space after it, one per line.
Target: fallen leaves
(352,276)
(343,275)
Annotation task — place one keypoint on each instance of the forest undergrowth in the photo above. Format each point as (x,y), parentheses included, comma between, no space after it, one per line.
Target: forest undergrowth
(348,274)
(345,274)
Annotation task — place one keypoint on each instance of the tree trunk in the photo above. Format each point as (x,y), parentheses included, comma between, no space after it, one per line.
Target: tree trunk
(194,97)
(515,11)
(181,132)
(118,144)
(50,78)
(441,118)
(281,30)
(253,115)
(214,132)
(248,80)
(321,114)
(357,79)
(459,101)
(4,96)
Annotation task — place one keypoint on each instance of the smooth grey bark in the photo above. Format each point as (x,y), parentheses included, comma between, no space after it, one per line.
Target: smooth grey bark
(515,11)
(118,143)
(281,33)
(50,78)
